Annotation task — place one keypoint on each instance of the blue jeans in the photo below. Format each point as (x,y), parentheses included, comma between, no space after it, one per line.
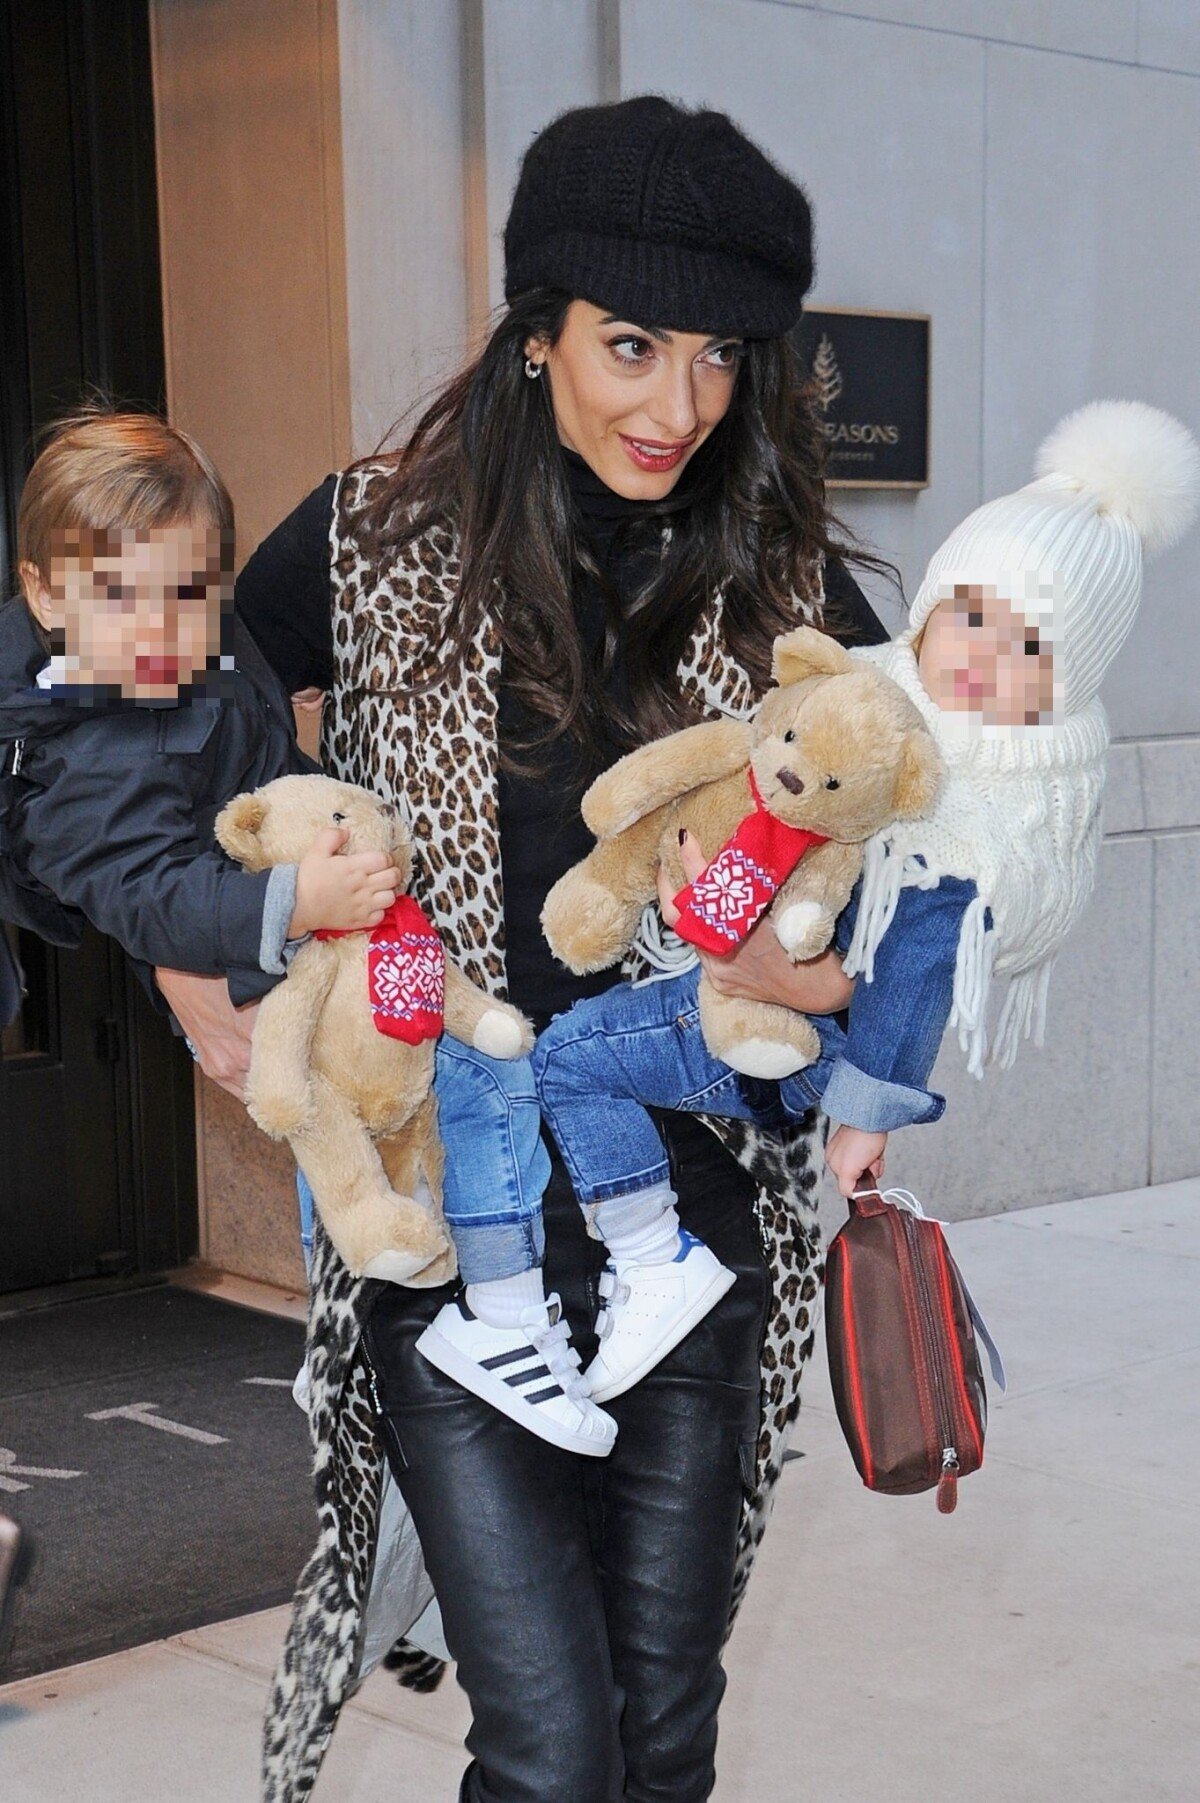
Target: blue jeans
(600,1066)
(496,1165)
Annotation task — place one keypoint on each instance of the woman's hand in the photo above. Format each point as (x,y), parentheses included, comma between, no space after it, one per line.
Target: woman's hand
(307,705)
(219,1032)
(308,701)
(760,970)
(852,1154)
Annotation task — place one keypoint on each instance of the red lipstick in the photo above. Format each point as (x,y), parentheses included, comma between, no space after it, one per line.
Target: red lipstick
(656,454)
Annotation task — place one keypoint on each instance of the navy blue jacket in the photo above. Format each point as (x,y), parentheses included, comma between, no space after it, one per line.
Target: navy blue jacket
(108,815)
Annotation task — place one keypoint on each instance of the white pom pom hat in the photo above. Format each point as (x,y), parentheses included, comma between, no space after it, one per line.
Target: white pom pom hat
(1115,480)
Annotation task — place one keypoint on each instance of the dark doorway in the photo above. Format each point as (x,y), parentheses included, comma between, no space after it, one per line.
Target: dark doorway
(97,1155)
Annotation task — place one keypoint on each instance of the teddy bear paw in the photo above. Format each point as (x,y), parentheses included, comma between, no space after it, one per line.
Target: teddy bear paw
(396,1267)
(438,1271)
(586,926)
(765,1058)
(500,1034)
(803,929)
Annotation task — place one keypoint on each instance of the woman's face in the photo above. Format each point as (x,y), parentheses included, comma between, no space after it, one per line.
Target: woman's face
(635,401)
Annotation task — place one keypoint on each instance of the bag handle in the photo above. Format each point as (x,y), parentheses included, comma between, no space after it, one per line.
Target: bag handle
(867,1200)
(871,1194)
(871,1200)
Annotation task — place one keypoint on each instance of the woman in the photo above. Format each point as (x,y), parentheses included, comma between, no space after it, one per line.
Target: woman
(592,537)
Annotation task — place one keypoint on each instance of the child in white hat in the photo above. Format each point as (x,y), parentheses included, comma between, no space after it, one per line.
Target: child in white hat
(1020,613)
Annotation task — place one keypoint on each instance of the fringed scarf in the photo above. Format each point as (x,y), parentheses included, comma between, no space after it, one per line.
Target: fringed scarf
(1019,815)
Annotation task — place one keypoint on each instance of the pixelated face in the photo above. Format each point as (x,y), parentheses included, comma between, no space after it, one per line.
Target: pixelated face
(982,655)
(635,402)
(138,611)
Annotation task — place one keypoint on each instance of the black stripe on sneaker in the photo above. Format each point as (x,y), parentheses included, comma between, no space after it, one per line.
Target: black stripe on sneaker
(508,1358)
(545,1395)
(528,1377)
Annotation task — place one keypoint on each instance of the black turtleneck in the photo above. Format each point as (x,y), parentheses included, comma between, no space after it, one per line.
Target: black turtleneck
(541,831)
(618,532)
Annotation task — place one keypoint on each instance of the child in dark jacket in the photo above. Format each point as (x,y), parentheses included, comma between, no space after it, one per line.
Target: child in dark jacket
(131,712)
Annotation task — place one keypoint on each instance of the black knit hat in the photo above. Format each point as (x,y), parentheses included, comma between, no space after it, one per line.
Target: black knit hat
(668,217)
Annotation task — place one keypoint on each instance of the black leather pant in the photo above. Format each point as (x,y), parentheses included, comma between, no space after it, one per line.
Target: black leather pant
(585,1600)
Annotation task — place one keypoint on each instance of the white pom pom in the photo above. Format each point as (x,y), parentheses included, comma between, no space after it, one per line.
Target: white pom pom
(1136,462)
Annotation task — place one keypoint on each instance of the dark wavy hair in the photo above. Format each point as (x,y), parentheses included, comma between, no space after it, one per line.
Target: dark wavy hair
(749,518)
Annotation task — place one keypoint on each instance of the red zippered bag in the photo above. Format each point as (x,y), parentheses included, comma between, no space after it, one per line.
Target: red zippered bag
(903,1353)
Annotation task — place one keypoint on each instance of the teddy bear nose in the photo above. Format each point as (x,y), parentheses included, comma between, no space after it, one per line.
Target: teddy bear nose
(791,782)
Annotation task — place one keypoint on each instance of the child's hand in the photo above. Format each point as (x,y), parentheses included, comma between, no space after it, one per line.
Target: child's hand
(852,1154)
(347,893)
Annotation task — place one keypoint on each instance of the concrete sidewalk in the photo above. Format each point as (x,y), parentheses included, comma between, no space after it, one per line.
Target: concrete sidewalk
(1043,1643)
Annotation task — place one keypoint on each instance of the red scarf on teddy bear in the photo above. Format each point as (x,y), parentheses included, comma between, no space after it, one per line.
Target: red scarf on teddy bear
(406,973)
(734,891)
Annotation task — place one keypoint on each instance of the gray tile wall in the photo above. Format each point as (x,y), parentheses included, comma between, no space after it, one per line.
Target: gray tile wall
(1026,173)
(403,162)
(1175,1016)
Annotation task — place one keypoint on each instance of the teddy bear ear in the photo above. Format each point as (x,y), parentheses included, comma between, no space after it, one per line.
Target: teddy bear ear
(237,828)
(919,776)
(806,652)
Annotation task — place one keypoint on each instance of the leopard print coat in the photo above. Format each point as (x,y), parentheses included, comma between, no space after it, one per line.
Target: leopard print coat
(437,752)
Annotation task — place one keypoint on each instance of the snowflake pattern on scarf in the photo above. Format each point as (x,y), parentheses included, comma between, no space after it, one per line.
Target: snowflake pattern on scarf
(732,894)
(408,978)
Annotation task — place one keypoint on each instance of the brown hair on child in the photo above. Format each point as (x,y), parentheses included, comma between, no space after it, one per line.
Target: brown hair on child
(101,471)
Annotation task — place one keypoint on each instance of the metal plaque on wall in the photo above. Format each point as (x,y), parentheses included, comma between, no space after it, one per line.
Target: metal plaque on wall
(870,373)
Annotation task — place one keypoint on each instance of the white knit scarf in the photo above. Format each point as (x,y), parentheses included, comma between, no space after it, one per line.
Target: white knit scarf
(1019,815)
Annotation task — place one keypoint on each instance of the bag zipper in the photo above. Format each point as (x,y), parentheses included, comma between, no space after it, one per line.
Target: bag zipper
(387,1426)
(372,1386)
(957,1373)
(947,1490)
(947,1483)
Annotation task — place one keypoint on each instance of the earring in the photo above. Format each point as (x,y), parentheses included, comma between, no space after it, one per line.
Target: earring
(532,370)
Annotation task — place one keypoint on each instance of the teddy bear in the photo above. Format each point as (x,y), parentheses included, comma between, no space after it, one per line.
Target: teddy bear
(342,1057)
(788,799)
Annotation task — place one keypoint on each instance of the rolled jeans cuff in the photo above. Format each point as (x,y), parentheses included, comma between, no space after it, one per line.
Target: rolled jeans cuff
(493,1249)
(856,1099)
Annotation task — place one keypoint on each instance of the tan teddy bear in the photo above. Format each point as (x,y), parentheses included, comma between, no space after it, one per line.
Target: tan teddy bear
(354,1103)
(836,749)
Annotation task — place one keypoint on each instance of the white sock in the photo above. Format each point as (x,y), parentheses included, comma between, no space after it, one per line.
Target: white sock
(643,1228)
(502,1302)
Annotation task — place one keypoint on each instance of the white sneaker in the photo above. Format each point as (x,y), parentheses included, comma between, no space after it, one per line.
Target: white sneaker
(530,1372)
(646,1310)
(302,1389)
